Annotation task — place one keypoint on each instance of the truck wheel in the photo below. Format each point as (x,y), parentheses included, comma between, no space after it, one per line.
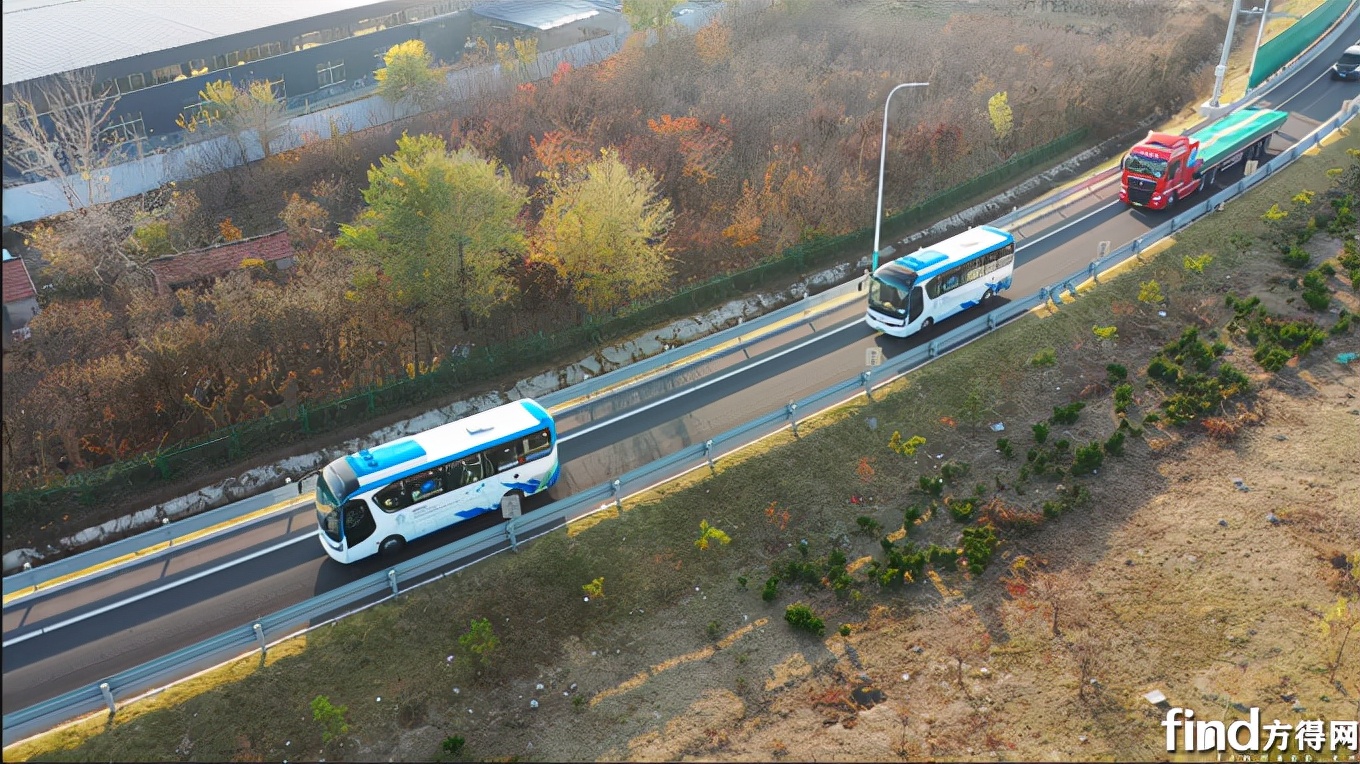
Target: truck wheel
(1210,178)
(1170,200)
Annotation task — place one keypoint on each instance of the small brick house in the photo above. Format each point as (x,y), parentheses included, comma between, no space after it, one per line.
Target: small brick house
(202,266)
(20,298)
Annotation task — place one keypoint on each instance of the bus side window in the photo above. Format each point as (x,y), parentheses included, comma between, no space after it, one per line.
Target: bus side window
(933,288)
(392,498)
(537,444)
(425,485)
(951,280)
(503,457)
(991,260)
(467,471)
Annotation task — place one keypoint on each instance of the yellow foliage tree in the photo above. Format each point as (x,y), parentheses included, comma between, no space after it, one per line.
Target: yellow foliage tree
(605,233)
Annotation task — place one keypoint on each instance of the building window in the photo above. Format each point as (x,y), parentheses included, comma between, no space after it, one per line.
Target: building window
(135,81)
(168,73)
(127,127)
(330,73)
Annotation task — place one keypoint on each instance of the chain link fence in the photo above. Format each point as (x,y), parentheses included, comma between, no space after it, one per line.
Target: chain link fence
(123,480)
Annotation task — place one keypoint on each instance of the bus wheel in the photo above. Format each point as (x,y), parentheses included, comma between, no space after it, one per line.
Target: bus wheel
(926,324)
(987,297)
(392,545)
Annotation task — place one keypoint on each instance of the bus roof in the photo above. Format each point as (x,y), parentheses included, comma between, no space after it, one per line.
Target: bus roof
(448,440)
(953,250)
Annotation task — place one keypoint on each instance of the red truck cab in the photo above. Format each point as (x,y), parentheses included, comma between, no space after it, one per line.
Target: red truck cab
(1160,170)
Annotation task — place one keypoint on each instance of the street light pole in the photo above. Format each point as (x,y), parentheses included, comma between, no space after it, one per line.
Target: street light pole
(882,161)
(1222,67)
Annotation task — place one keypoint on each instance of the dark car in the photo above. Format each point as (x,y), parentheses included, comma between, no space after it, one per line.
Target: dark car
(1348,68)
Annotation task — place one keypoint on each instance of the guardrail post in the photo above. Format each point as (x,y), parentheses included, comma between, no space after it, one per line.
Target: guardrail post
(1055,294)
(259,637)
(991,321)
(1093,272)
(1070,289)
(868,388)
(392,580)
(792,407)
(618,497)
(708,454)
(108,697)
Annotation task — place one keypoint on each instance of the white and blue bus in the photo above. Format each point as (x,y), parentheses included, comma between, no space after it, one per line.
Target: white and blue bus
(912,293)
(380,498)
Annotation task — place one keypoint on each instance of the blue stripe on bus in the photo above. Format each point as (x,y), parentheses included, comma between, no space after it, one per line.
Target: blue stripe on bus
(540,414)
(369,461)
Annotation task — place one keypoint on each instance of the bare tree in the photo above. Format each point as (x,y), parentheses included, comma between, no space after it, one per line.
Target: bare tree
(58,131)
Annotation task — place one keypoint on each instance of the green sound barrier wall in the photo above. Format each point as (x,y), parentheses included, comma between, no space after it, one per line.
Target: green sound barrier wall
(1282,48)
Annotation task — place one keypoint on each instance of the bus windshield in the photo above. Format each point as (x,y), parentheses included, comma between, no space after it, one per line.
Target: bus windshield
(1145,165)
(888,298)
(327,508)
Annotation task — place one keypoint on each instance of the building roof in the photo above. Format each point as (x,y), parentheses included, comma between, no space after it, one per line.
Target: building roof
(538,14)
(178,270)
(43,37)
(17,284)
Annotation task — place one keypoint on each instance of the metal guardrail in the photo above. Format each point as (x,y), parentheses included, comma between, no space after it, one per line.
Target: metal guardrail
(672,361)
(233,644)
(618,380)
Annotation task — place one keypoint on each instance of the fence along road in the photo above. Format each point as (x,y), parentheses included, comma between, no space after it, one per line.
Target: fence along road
(438,562)
(125,683)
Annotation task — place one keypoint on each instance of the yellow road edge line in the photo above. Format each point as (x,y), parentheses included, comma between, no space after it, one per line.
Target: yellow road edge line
(8,598)
(825,307)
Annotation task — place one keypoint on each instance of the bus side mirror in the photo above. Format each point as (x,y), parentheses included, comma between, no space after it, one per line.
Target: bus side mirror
(303,480)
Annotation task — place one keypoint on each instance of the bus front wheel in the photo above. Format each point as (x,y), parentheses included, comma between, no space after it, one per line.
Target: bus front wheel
(392,545)
(987,297)
(926,324)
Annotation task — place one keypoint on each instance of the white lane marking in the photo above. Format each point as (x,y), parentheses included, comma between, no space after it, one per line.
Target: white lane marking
(1029,242)
(158,590)
(747,367)
(705,383)
(1301,91)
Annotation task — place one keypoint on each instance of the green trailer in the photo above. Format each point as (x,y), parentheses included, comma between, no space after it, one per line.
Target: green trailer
(1219,142)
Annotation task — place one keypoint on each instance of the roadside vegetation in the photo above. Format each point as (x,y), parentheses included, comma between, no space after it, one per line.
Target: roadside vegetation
(478,223)
(1165,508)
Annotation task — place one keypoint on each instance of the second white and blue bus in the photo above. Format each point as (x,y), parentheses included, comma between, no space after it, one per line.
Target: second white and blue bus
(380,498)
(914,292)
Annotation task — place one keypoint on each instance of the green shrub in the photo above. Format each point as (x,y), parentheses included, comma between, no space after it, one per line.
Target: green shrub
(1151,418)
(1067,414)
(961,511)
(1123,398)
(868,525)
(1040,432)
(330,717)
(1114,445)
(771,589)
(845,630)
(1045,357)
(1317,300)
(978,542)
(1271,357)
(1087,459)
(1052,509)
(800,616)
(951,471)
(1061,445)
(1343,323)
(453,745)
(713,630)
(1296,257)
(1004,446)
(911,515)
(933,486)
(1117,373)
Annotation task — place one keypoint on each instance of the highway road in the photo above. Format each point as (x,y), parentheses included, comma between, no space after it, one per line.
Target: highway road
(67,637)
